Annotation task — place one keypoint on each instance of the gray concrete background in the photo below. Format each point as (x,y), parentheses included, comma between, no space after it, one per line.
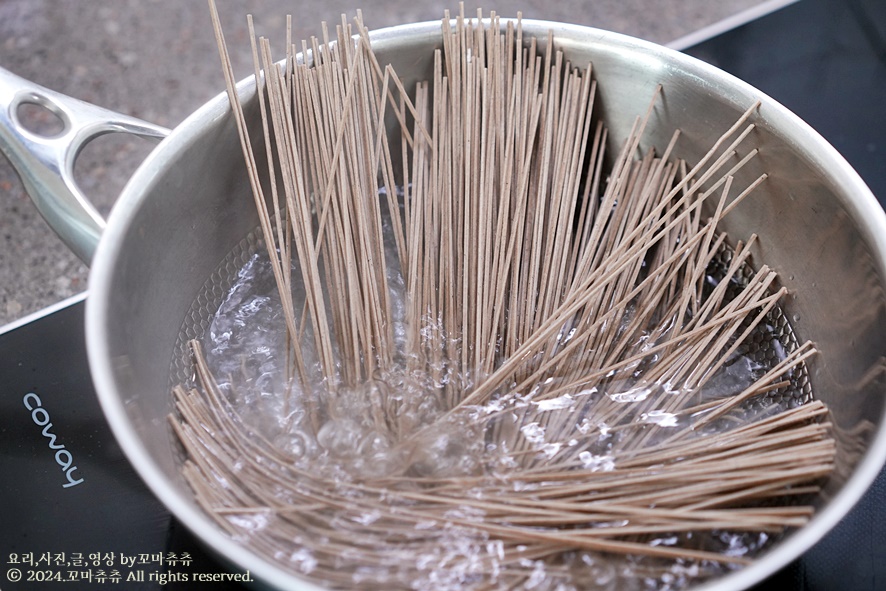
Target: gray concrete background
(156,59)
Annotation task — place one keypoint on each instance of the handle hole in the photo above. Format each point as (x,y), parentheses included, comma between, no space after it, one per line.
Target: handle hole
(104,165)
(39,119)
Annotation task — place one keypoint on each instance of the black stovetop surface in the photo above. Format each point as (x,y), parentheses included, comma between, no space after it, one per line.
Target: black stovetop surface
(823,59)
(70,503)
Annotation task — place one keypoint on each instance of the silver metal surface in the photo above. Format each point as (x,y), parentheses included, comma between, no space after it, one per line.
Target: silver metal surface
(45,163)
(188,206)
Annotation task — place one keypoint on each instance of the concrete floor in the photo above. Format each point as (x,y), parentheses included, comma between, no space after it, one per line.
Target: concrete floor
(156,60)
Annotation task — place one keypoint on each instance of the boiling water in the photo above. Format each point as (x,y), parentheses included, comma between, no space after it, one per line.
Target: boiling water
(247,334)
(495,440)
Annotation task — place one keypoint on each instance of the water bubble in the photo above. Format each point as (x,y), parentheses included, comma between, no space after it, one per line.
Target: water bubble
(597,463)
(293,444)
(444,453)
(538,576)
(630,395)
(660,418)
(375,442)
(251,522)
(559,403)
(534,433)
(303,560)
(593,572)
(340,437)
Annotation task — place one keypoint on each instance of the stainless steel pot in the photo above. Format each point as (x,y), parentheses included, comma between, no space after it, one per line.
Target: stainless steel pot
(187,208)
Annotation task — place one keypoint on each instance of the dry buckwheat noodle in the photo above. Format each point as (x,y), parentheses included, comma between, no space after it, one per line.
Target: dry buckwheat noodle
(506,347)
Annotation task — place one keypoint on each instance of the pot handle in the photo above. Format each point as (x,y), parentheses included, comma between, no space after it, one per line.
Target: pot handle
(45,163)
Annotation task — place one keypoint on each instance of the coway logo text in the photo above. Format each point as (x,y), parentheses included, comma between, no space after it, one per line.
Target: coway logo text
(63,456)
